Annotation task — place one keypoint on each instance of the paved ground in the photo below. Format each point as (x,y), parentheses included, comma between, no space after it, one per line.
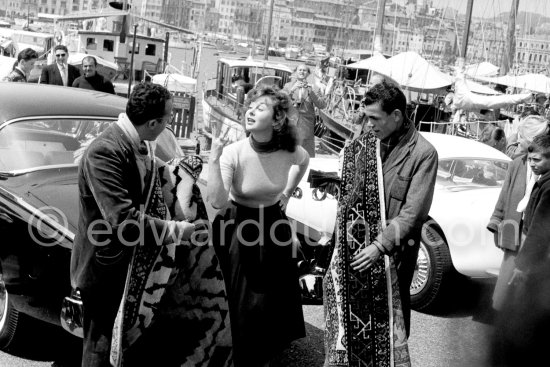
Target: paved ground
(456,337)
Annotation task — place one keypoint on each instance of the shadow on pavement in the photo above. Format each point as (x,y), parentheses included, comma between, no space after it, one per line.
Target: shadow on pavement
(468,297)
(305,352)
(46,342)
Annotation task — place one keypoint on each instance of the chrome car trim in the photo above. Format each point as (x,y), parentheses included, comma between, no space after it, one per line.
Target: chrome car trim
(71,317)
(39,215)
(19,172)
(52,117)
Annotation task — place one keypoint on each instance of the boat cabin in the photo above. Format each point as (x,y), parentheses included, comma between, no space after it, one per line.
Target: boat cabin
(40,42)
(251,72)
(148,51)
(224,95)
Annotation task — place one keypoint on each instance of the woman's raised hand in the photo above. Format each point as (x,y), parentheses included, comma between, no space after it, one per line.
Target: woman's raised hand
(219,141)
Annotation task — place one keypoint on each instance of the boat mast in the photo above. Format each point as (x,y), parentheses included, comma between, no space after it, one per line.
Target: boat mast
(270,21)
(510,47)
(379,30)
(462,57)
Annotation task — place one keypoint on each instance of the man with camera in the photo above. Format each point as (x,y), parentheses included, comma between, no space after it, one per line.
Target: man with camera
(305,98)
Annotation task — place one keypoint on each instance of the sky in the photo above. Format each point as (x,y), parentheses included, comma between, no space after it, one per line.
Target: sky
(491,8)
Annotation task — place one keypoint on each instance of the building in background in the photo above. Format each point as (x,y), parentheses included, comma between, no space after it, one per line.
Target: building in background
(336,25)
(175,12)
(532,54)
(3,8)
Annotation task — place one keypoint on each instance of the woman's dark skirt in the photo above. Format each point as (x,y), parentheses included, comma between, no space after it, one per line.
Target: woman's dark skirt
(255,249)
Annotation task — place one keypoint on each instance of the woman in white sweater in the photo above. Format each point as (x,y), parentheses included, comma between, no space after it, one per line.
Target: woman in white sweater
(251,182)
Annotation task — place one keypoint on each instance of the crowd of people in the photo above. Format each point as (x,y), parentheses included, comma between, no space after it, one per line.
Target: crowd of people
(60,72)
(250,183)
(253,302)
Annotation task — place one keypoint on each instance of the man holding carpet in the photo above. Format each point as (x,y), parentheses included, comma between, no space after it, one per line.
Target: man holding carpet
(388,178)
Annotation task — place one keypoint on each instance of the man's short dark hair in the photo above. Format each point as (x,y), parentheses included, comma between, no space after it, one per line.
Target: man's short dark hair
(389,95)
(60,47)
(540,144)
(90,58)
(27,54)
(147,102)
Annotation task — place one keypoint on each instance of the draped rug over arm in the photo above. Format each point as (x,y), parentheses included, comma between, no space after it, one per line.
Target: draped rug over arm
(364,320)
(180,287)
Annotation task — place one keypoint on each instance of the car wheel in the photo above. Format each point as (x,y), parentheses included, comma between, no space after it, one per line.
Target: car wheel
(9,318)
(434,269)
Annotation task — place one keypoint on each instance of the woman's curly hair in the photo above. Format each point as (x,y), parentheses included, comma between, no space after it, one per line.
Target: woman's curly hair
(285,135)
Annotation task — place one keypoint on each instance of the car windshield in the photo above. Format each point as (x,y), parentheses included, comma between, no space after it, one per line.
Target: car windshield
(480,172)
(45,142)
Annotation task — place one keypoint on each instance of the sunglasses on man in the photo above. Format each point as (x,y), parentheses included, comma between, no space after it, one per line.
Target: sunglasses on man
(60,55)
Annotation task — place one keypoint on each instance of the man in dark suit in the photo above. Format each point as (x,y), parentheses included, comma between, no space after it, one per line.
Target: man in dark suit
(60,73)
(115,175)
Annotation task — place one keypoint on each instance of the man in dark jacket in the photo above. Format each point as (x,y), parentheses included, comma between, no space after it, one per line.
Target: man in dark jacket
(91,79)
(25,63)
(60,73)
(114,176)
(409,168)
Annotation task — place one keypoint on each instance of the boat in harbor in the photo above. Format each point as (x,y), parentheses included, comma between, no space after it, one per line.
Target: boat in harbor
(423,84)
(102,38)
(222,102)
(426,88)
(105,34)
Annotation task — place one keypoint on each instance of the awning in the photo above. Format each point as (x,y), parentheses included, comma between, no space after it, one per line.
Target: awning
(533,82)
(413,72)
(481,69)
(466,100)
(175,82)
(480,88)
(375,62)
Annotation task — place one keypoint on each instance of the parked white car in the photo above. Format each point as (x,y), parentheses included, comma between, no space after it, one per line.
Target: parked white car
(469,180)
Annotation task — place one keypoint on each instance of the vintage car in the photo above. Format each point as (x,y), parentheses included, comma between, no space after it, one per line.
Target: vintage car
(41,126)
(455,239)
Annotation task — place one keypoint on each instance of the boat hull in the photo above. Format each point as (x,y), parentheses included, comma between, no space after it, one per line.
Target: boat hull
(336,132)
(216,119)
